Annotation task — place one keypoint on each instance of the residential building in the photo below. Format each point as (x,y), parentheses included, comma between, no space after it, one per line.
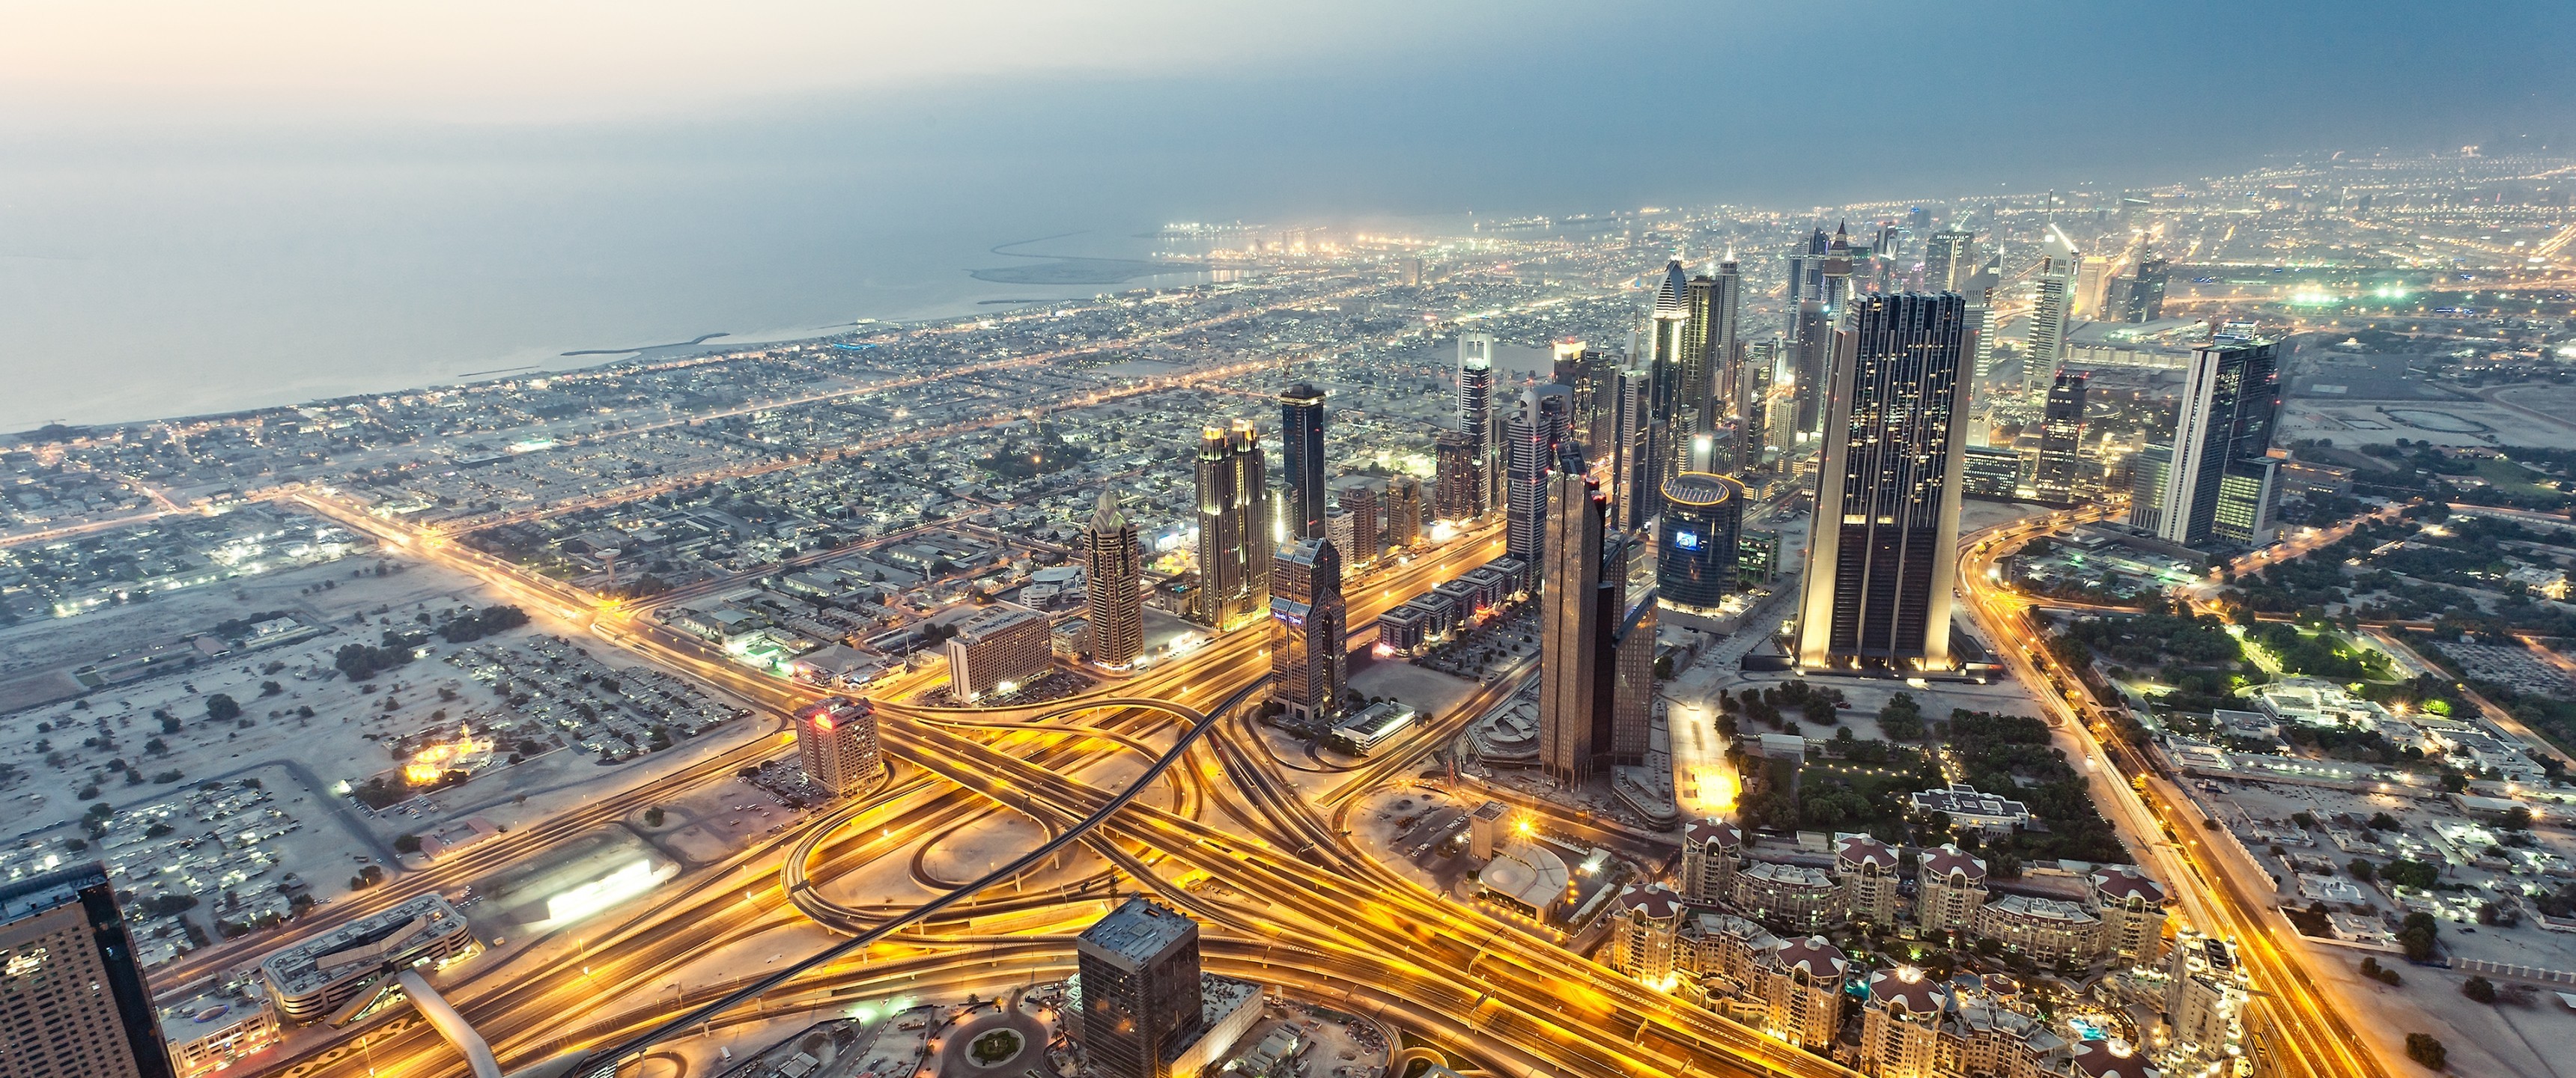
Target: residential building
(73,1003)
(1792,898)
(1801,984)
(1901,1025)
(1949,885)
(2132,908)
(2205,996)
(1880,566)
(1455,478)
(1711,848)
(1308,667)
(1112,561)
(1404,520)
(1000,650)
(1645,924)
(1866,868)
(2048,930)
(836,745)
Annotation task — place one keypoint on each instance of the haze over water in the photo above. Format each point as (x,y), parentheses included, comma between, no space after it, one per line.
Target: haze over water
(252,237)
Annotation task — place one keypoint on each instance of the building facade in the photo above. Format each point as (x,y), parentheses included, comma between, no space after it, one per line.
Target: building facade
(2061,477)
(1711,848)
(1696,540)
(1301,438)
(1308,667)
(1867,869)
(1882,561)
(2230,400)
(1570,628)
(1234,544)
(1949,885)
(836,745)
(1114,564)
(1000,650)
(1139,968)
(73,1003)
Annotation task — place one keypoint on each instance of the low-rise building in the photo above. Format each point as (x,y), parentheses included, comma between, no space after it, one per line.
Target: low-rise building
(1966,807)
(311,980)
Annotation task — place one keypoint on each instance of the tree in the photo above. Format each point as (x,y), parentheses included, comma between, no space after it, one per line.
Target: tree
(653,816)
(2417,937)
(407,844)
(222,708)
(2479,989)
(2360,869)
(2425,1049)
(2381,821)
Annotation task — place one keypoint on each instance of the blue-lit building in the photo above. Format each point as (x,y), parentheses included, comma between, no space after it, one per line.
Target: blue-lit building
(1695,539)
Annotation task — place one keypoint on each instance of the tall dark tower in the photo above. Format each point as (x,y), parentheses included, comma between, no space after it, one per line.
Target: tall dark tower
(1112,561)
(1570,609)
(1139,965)
(1696,538)
(1811,350)
(1308,665)
(1535,438)
(1476,417)
(2147,290)
(72,999)
(1882,560)
(1636,449)
(1301,437)
(2230,397)
(1806,269)
(2061,433)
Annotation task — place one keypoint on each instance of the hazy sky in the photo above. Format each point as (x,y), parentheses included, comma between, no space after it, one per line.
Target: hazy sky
(241,203)
(1503,102)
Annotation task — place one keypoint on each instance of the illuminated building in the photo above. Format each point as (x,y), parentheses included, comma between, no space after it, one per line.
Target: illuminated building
(2061,433)
(2245,495)
(1455,481)
(1754,413)
(1837,272)
(2092,281)
(1801,986)
(1901,1027)
(1110,558)
(1142,1008)
(836,742)
(999,650)
(1711,848)
(2205,998)
(1234,527)
(1989,472)
(1591,375)
(1867,869)
(1949,885)
(1757,558)
(1792,898)
(72,999)
(1696,540)
(1667,332)
(1949,259)
(1301,438)
(2230,397)
(1880,566)
(1404,519)
(1537,435)
(1806,270)
(2050,320)
(1476,418)
(1635,451)
(1308,668)
(2047,930)
(2149,469)
(1570,628)
(1715,343)
(1645,923)
(1630,663)
(341,972)
(1360,511)
(2132,908)
(219,1029)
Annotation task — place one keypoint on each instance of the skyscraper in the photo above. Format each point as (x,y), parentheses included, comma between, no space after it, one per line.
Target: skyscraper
(2050,314)
(1806,271)
(1301,438)
(1476,417)
(2092,282)
(1360,508)
(1112,561)
(1404,519)
(1837,272)
(72,999)
(1667,341)
(1636,451)
(1949,258)
(1590,374)
(1717,331)
(1308,668)
(1881,562)
(836,744)
(1627,664)
(1139,966)
(1537,436)
(1695,540)
(1570,610)
(2149,469)
(1234,527)
(2061,433)
(2146,299)
(1455,486)
(1811,351)
(2230,396)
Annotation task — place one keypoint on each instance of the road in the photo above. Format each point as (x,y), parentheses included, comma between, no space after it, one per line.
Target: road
(2297,1028)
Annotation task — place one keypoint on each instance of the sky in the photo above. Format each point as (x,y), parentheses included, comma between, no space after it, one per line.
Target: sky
(263,200)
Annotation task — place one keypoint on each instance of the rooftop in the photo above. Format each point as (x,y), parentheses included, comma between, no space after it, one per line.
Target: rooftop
(1139,930)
